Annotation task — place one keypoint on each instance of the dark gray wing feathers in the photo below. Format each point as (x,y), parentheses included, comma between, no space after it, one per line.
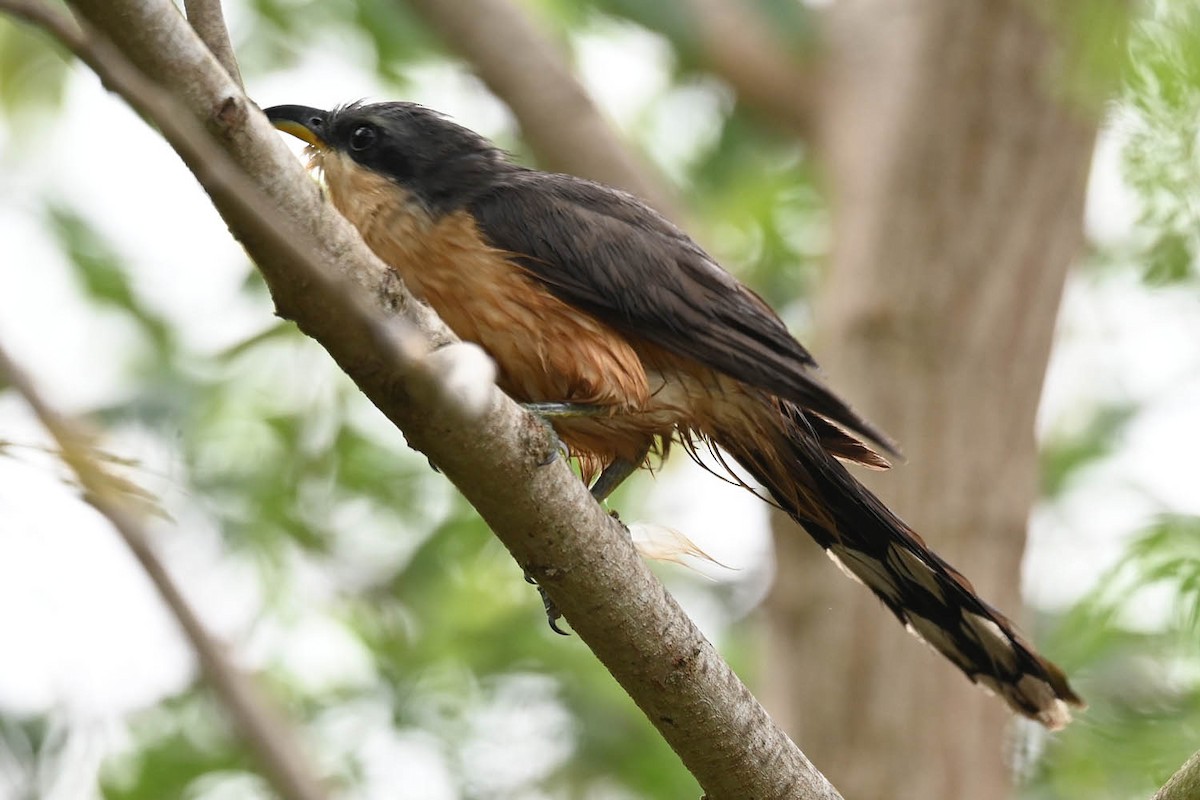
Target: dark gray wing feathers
(607,252)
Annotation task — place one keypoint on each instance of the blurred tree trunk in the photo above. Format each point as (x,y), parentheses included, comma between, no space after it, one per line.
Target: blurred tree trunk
(957,174)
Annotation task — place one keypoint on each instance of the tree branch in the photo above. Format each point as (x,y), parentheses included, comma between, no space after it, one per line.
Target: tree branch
(736,45)
(260,726)
(208,21)
(1184,784)
(552,526)
(559,120)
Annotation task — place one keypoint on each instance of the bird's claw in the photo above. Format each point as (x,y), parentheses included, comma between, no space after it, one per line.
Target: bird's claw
(553,615)
(560,449)
(612,476)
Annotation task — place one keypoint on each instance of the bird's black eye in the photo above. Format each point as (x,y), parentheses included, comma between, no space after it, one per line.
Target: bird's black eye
(362,137)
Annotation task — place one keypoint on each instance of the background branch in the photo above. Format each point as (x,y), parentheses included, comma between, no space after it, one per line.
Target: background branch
(957,175)
(553,528)
(264,730)
(566,130)
(734,43)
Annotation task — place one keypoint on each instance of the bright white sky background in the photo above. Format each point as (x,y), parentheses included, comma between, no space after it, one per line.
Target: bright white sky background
(82,631)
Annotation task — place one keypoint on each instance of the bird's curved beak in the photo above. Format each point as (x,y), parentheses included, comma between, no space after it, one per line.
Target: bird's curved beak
(306,124)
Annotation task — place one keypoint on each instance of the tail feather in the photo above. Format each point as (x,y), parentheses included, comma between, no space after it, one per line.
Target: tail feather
(779,445)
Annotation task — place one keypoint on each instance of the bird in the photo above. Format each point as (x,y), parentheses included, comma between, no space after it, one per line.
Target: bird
(627,336)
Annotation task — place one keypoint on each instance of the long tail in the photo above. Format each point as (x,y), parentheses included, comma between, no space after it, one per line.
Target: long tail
(789,451)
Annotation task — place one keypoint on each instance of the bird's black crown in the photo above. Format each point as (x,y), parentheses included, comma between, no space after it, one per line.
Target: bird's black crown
(443,164)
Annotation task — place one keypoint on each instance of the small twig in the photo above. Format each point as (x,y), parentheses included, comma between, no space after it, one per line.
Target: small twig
(564,127)
(264,730)
(1184,784)
(208,20)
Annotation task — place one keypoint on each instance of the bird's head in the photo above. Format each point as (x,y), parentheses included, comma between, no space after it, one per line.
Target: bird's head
(439,164)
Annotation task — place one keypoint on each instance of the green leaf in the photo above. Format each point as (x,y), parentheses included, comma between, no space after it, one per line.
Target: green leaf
(33,71)
(180,742)
(1162,155)
(1137,673)
(99,271)
(1063,455)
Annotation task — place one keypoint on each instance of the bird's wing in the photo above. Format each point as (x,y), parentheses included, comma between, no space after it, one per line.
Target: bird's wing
(610,254)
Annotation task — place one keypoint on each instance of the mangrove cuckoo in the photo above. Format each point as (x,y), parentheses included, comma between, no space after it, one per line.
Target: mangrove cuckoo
(589,300)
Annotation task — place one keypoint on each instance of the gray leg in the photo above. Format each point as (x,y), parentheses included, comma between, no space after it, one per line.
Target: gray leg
(549,411)
(552,410)
(612,477)
(615,474)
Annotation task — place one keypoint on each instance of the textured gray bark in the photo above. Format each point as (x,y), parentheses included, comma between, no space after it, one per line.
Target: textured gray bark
(957,174)
(1184,784)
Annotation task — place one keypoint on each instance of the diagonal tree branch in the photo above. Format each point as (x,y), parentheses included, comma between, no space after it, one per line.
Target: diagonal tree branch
(551,525)
(259,724)
(558,118)
(1184,784)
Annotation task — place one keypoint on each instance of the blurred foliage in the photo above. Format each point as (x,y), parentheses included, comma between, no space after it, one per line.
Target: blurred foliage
(1132,643)
(759,189)
(1095,35)
(33,69)
(98,270)
(181,743)
(1064,454)
(391,30)
(349,530)
(1162,154)
(791,23)
(27,751)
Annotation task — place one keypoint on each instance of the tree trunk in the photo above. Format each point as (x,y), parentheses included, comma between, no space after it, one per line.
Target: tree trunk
(957,174)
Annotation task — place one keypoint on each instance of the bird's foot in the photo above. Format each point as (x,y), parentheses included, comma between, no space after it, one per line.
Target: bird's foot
(553,615)
(560,449)
(612,477)
(567,410)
